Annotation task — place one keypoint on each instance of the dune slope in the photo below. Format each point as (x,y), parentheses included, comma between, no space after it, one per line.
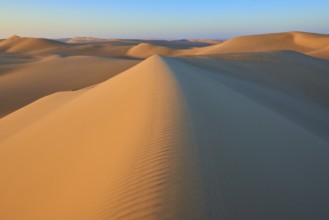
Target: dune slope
(290,83)
(163,140)
(31,81)
(255,163)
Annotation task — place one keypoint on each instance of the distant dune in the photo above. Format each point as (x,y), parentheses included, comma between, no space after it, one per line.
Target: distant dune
(308,43)
(109,130)
(298,41)
(16,44)
(84,40)
(144,50)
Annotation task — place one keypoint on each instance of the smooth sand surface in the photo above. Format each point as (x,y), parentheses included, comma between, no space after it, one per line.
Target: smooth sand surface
(220,135)
(255,162)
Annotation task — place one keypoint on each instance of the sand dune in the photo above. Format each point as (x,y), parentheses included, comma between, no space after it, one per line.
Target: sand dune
(202,145)
(16,44)
(307,43)
(213,42)
(178,44)
(84,40)
(237,130)
(101,155)
(144,50)
(296,41)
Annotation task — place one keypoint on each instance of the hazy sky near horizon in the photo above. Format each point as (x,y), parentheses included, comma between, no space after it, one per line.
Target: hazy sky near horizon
(160,19)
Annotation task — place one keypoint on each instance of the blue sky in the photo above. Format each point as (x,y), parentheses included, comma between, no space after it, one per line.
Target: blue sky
(160,19)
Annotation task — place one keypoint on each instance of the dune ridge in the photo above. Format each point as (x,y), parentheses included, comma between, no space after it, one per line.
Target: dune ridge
(136,177)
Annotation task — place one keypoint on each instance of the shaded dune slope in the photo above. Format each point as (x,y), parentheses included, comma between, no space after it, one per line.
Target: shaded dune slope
(255,163)
(163,140)
(290,83)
